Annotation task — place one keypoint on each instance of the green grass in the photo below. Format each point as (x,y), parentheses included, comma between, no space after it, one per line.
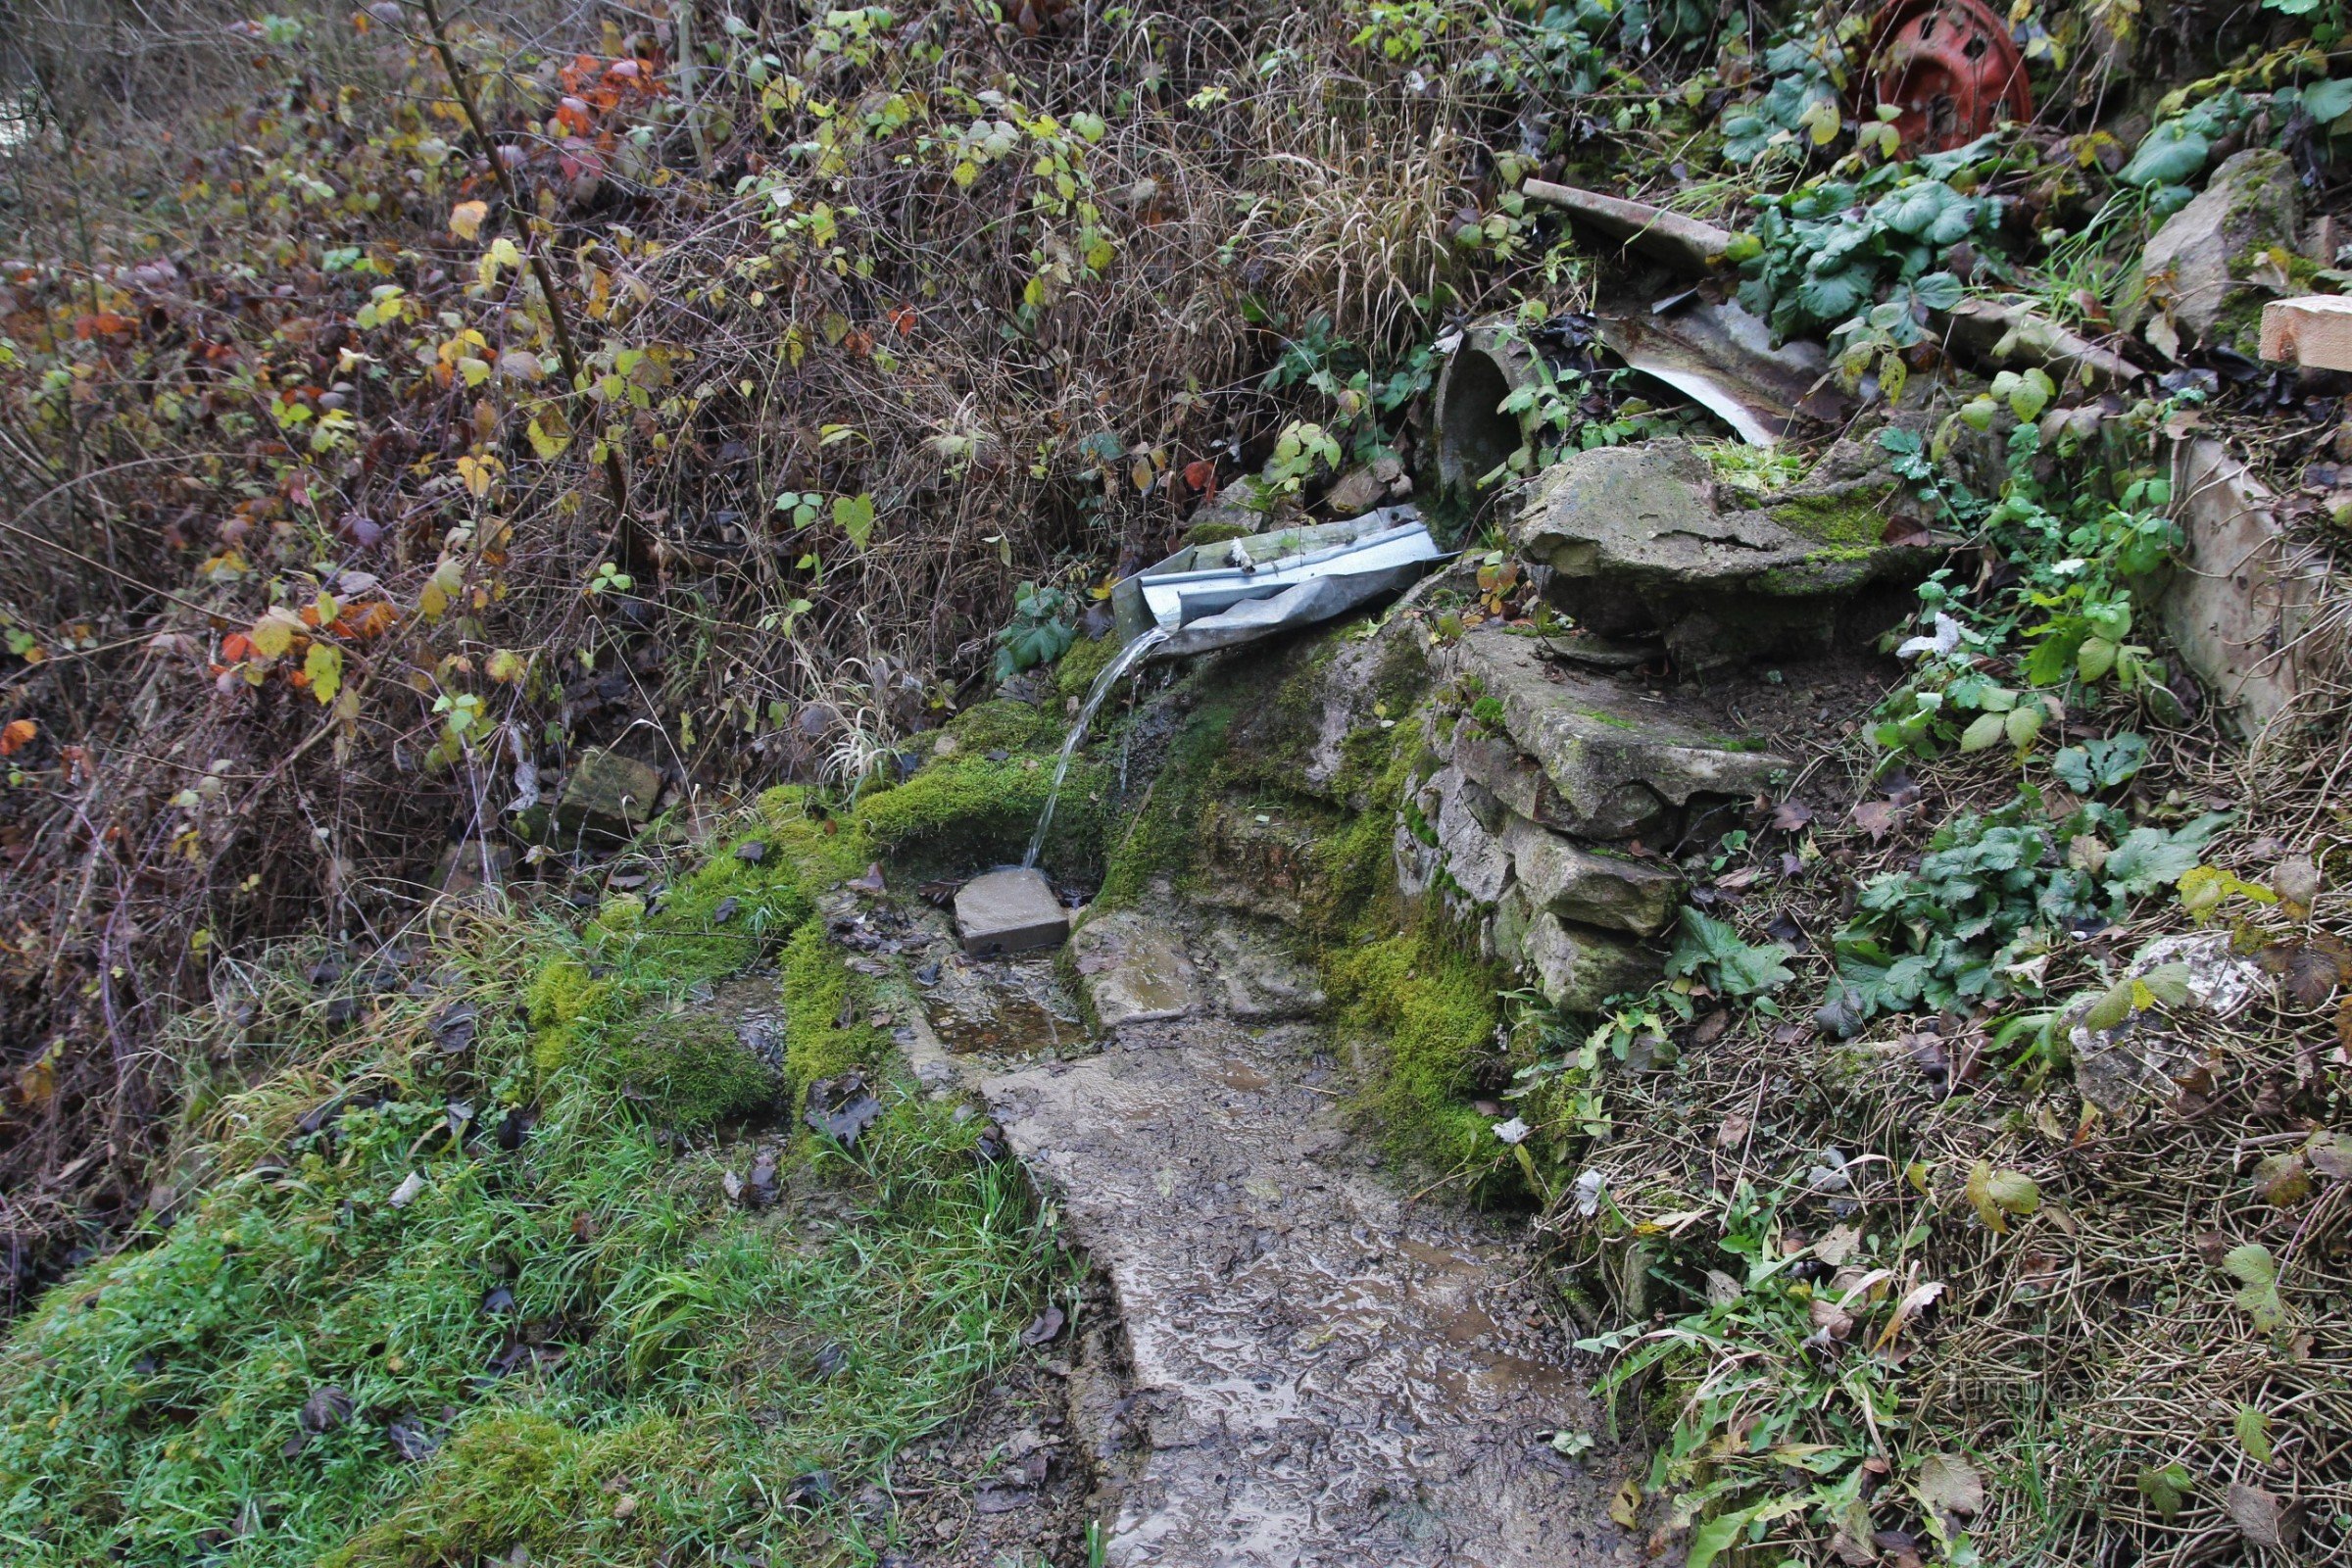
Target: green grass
(149,1407)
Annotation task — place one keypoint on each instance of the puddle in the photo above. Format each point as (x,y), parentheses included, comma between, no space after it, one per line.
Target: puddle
(1003,1008)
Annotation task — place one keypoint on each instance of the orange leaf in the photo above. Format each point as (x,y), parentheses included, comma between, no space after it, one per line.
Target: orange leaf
(17,736)
(236,647)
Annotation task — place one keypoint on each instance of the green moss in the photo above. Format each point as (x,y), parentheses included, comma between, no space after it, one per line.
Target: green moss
(1756,471)
(1848,517)
(561,998)
(1006,725)
(964,812)
(1430,1013)
(689,1070)
(825,1008)
(1088,658)
(505,1479)
(1216,530)
(1161,838)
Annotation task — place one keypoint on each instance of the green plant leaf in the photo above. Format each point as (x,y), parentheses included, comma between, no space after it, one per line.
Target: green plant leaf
(2167,1490)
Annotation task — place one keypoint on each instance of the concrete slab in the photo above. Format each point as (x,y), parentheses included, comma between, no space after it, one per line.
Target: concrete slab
(1011,911)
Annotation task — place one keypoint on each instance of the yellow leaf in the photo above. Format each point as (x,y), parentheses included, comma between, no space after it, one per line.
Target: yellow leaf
(274,633)
(323,663)
(506,666)
(504,253)
(465,219)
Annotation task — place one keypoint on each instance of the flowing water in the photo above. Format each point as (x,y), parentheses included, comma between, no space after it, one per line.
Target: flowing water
(1128,658)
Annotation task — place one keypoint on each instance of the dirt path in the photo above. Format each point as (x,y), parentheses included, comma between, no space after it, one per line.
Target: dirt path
(1321,1370)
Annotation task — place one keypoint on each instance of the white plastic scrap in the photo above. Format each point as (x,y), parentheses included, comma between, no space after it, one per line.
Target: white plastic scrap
(1588,1188)
(1945,639)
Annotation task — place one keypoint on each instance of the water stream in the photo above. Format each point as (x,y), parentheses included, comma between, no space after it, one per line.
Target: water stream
(1127,659)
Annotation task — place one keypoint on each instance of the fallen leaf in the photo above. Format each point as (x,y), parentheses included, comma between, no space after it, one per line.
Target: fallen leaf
(465,220)
(1626,1505)
(1878,818)
(1915,1302)
(17,736)
(2257,1514)
(1791,815)
(1947,1484)
(2296,881)
(1044,1327)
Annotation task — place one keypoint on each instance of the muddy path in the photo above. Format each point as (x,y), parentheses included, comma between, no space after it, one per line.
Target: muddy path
(1310,1365)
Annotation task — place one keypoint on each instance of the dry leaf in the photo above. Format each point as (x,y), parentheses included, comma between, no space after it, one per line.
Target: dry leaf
(2258,1514)
(1878,818)
(1791,815)
(17,736)
(1948,1484)
(2296,881)
(465,220)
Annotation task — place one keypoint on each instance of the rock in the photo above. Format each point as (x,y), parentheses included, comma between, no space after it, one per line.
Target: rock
(2196,267)
(1585,756)
(1133,970)
(1011,911)
(1357,492)
(2243,601)
(1579,968)
(1259,862)
(608,797)
(1367,683)
(1474,858)
(1638,545)
(2142,1060)
(1590,887)
(1262,983)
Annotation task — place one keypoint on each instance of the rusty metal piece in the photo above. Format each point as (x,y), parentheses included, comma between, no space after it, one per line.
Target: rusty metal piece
(1951,70)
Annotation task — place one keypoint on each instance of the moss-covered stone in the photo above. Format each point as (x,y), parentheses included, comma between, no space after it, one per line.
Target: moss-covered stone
(1856,518)
(1428,1012)
(825,1012)
(1004,724)
(964,812)
(1074,675)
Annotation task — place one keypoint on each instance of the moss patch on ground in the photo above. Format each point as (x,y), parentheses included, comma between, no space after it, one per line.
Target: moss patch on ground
(388,1220)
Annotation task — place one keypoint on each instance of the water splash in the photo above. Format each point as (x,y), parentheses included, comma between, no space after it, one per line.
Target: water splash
(1128,658)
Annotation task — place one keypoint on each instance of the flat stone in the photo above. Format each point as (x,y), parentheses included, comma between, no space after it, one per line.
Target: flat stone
(2196,267)
(1579,968)
(1134,970)
(1641,542)
(1613,765)
(1588,886)
(607,796)
(1011,911)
